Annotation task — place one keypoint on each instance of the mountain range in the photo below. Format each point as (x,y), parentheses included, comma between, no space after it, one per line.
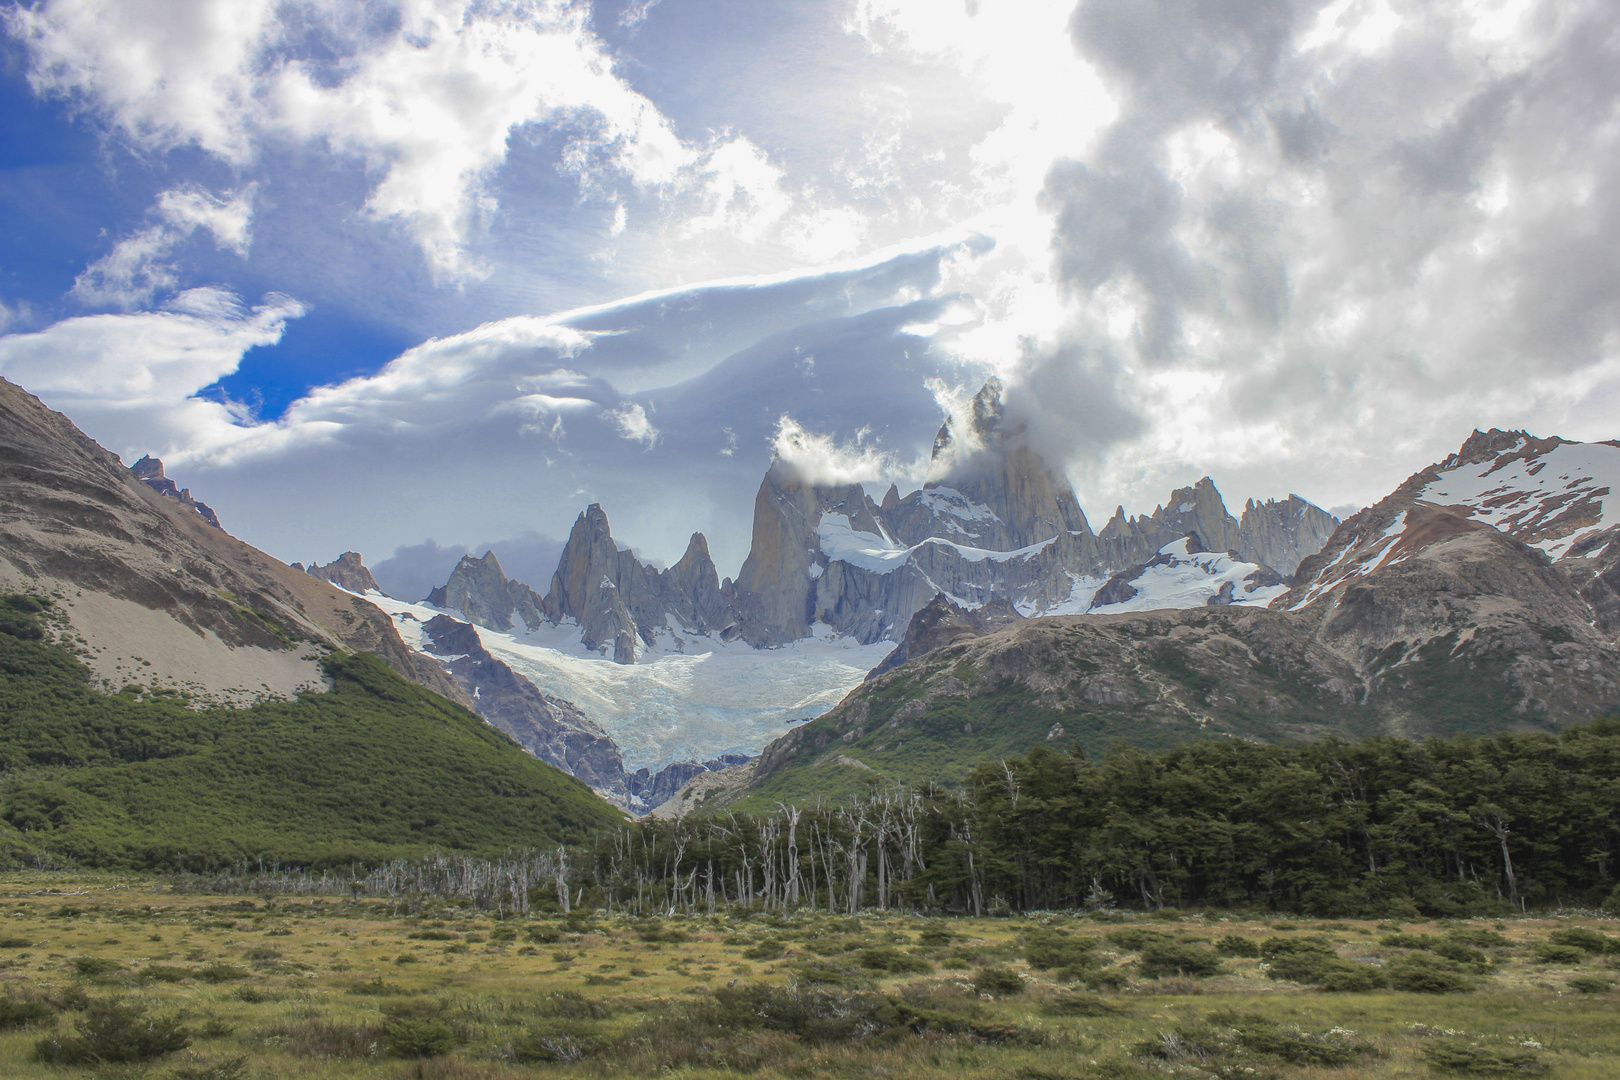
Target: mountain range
(898,639)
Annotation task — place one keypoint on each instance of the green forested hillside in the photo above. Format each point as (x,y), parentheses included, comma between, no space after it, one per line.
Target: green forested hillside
(377,768)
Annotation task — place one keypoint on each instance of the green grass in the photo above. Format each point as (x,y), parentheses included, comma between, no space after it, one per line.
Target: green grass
(606,1002)
(378,768)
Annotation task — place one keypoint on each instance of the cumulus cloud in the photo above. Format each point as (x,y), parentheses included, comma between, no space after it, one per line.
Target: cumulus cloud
(131,379)
(426,93)
(134,270)
(1343,233)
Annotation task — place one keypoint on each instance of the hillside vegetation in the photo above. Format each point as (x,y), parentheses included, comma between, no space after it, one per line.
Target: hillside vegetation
(378,768)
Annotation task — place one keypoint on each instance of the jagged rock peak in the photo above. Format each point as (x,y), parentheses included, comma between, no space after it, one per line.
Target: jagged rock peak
(149,470)
(480,590)
(347,571)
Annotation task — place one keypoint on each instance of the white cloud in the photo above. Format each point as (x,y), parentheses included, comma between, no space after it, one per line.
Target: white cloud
(822,459)
(135,270)
(633,424)
(130,379)
(428,101)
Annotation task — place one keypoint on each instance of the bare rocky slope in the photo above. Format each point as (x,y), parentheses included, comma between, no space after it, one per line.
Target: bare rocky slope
(158,594)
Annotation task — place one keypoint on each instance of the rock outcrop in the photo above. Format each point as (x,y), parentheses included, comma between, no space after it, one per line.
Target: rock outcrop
(348,571)
(481,591)
(1281,533)
(621,603)
(149,470)
(940,623)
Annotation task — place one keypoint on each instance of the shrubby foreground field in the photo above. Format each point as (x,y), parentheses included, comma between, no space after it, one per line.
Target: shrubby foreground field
(122,977)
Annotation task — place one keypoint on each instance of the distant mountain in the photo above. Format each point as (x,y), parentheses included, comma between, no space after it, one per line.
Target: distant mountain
(1479,596)
(999,523)
(831,574)
(348,572)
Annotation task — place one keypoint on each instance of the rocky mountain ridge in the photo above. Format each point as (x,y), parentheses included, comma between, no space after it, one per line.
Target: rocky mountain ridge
(149,470)
(999,523)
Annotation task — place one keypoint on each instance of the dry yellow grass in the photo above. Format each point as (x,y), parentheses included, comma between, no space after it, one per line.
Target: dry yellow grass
(327,988)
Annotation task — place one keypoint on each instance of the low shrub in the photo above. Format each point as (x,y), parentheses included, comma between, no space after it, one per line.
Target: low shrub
(999,981)
(557,1043)
(813,1014)
(1567,955)
(164,973)
(114,1031)
(1458,953)
(769,949)
(1581,938)
(1590,984)
(433,935)
(1136,939)
(1225,1039)
(1471,1059)
(94,967)
(1479,939)
(1237,945)
(891,960)
(220,973)
(1048,949)
(543,935)
(1419,973)
(936,936)
(1078,1005)
(24,1010)
(418,1037)
(1178,958)
(1407,941)
(1274,947)
(315,1038)
(14,943)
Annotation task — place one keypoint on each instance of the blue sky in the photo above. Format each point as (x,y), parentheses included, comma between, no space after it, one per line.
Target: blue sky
(428,275)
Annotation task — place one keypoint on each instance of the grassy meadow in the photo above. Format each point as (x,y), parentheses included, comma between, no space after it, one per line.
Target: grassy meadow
(100,972)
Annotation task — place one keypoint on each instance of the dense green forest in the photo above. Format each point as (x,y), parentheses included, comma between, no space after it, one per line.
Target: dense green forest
(1381,826)
(376,769)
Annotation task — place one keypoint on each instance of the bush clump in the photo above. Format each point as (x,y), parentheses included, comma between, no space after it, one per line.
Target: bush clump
(418,1037)
(1136,939)
(999,981)
(769,949)
(1237,945)
(1051,949)
(24,1010)
(1590,984)
(1178,958)
(1568,955)
(1420,973)
(1471,1059)
(1226,1039)
(891,960)
(114,1031)
(1580,937)
(813,1014)
(1311,961)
